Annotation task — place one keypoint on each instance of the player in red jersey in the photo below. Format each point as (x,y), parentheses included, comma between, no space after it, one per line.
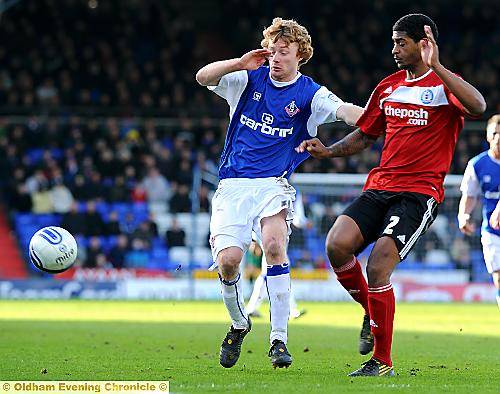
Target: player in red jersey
(420,109)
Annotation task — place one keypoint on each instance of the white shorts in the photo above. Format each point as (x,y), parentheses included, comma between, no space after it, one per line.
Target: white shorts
(491,251)
(238,206)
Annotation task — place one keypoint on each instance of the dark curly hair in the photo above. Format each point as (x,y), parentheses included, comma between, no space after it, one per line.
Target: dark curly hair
(413,26)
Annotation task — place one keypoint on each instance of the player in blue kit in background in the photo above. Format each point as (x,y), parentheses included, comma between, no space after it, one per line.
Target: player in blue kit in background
(272,110)
(482,180)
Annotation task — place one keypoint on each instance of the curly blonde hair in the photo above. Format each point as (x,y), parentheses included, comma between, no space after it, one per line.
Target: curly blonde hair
(289,31)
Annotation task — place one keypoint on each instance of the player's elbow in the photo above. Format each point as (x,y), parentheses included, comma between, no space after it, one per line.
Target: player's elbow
(201,77)
(479,106)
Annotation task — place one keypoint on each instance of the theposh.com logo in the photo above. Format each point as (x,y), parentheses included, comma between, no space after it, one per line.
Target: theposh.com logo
(416,117)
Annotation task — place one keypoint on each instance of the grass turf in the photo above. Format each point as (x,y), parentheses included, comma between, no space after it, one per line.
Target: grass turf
(437,347)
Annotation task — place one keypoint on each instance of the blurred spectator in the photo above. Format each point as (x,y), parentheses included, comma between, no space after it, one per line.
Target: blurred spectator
(175,235)
(116,255)
(73,221)
(143,232)
(119,191)
(113,224)
(137,256)
(61,197)
(180,201)
(156,186)
(94,253)
(93,220)
(36,182)
(42,202)
(21,200)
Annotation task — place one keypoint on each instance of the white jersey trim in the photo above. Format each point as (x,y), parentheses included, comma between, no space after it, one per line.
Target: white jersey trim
(419,78)
(430,96)
(231,86)
(324,107)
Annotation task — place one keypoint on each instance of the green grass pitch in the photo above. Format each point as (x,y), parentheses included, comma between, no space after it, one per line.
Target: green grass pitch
(451,348)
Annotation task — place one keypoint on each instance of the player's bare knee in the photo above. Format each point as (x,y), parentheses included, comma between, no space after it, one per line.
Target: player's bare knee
(229,263)
(274,251)
(338,249)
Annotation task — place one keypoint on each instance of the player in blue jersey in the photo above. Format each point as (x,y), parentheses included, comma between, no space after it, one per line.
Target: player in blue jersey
(482,179)
(271,109)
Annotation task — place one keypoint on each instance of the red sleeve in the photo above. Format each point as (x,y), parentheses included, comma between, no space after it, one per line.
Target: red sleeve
(372,121)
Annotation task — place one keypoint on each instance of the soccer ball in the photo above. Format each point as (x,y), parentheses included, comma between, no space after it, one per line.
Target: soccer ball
(53,249)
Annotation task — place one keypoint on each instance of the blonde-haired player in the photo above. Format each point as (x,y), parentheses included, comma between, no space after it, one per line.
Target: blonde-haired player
(482,180)
(271,109)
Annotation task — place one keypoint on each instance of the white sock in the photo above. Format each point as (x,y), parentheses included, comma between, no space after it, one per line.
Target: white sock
(257,294)
(498,298)
(232,294)
(278,288)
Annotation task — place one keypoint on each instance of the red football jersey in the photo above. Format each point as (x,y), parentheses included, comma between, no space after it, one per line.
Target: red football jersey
(421,119)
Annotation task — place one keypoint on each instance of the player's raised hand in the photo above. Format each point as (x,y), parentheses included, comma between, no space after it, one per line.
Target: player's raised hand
(429,49)
(495,218)
(315,147)
(254,59)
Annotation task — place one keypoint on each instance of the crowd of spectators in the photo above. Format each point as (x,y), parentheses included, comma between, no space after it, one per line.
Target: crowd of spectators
(141,56)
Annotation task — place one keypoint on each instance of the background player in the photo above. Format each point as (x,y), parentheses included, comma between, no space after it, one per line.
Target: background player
(271,111)
(482,178)
(420,109)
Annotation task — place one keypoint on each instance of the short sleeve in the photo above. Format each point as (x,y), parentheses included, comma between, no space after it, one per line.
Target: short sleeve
(470,184)
(230,87)
(324,106)
(372,120)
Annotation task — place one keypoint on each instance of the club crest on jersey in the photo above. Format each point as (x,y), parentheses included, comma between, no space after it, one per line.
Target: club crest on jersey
(292,109)
(257,96)
(427,96)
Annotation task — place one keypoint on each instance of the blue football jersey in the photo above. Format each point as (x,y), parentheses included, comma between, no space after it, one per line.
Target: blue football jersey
(488,174)
(268,120)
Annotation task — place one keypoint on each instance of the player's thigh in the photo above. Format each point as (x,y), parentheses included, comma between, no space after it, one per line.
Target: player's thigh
(407,219)
(367,214)
(229,223)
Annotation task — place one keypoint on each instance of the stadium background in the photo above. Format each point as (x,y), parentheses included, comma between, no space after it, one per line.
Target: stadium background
(104,131)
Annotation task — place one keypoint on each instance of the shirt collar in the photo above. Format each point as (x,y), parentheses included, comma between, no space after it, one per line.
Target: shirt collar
(279,84)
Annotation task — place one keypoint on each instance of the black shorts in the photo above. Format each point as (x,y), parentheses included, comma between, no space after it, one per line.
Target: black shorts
(403,216)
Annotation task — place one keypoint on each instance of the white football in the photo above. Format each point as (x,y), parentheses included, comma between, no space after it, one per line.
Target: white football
(53,249)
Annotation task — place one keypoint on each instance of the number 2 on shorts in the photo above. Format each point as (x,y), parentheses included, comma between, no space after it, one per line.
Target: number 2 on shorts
(392,222)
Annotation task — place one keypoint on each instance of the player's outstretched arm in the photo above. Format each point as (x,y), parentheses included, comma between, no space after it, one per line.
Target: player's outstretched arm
(211,74)
(349,113)
(465,208)
(468,95)
(351,144)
